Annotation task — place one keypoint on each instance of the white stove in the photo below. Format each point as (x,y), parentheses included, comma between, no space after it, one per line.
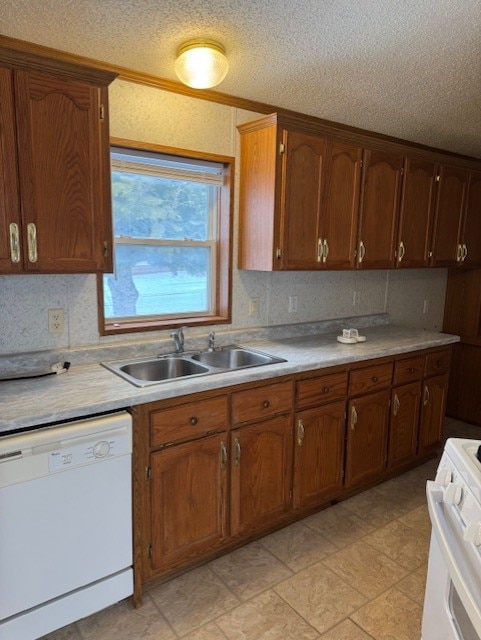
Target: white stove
(452,606)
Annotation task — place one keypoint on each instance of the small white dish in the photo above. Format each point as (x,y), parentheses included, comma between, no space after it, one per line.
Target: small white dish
(361,339)
(345,340)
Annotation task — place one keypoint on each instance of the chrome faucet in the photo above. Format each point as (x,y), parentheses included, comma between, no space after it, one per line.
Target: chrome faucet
(178,336)
(211,341)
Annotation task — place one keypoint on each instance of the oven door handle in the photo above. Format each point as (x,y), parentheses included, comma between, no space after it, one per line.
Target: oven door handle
(464,576)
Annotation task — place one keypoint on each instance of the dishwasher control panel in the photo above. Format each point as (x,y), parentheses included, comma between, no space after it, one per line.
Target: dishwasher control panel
(77,455)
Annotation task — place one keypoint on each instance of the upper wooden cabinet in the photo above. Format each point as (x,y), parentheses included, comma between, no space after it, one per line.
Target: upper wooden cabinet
(299,197)
(416,213)
(55,204)
(381,188)
(319,197)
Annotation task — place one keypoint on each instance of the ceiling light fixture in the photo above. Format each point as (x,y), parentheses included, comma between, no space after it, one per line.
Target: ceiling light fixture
(201,63)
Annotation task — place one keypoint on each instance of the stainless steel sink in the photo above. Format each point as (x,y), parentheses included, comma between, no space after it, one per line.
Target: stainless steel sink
(149,371)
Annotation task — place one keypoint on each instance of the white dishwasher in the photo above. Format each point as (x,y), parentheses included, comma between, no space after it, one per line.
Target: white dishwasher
(65,523)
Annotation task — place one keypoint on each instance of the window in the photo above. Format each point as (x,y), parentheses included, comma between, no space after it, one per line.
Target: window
(171,222)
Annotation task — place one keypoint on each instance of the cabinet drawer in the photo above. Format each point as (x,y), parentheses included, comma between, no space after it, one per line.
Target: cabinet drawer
(322,389)
(191,420)
(371,378)
(408,370)
(437,362)
(255,404)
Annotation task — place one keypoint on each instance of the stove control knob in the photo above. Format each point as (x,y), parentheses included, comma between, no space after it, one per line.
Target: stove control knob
(453,494)
(472,533)
(101,449)
(444,476)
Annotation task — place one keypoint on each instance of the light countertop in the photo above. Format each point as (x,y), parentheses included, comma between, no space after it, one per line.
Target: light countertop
(90,389)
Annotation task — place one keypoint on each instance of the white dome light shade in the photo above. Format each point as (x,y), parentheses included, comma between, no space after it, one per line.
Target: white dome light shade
(201,64)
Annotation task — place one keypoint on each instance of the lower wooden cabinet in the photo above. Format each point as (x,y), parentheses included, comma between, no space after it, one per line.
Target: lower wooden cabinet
(367,432)
(318,454)
(260,474)
(188,500)
(216,468)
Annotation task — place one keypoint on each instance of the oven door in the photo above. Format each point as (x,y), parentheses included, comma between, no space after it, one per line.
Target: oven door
(453,589)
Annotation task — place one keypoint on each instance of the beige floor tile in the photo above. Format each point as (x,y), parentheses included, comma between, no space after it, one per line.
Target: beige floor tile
(418,519)
(210,632)
(266,617)
(375,508)
(193,599)
(298,546)
(123,622)
(338,525)
(391,616)
(407,493)
(346,630)
(320,596)
(401,543)
(250,570)
(69,632)
(414,585)
(365,569)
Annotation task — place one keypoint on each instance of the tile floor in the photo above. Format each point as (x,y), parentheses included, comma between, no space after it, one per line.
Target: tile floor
(355,571)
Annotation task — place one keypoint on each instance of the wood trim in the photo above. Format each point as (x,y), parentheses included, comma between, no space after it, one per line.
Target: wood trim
(21,51)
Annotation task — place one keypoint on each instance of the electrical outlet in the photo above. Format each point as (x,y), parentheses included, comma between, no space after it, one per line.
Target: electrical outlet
(253,306)
(292,306)
(56,321)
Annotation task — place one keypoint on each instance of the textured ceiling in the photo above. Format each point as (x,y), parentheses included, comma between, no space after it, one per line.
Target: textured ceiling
(407,68)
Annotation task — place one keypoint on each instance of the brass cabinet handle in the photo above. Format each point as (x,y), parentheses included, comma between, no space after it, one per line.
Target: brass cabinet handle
(300,433)
(401,252)
(375,379)
(223,455)
(353,417)
(459,255)
(237,454)
(266,404)
(14,242)
(426,395)
(325,250)
(396,404)
(32,242)
(193,420)
(464,253)
(362,251)
(325,389)
(320,250)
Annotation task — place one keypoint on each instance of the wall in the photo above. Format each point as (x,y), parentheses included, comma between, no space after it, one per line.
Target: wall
(148,114)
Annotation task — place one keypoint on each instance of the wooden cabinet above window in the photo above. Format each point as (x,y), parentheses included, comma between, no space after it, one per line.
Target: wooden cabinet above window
(55,214)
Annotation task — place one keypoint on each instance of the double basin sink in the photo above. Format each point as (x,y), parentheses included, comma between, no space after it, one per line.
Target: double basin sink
(148,371)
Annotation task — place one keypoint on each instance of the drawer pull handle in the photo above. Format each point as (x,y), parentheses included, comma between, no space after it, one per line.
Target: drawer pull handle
(237,454)
(375,379)
(300,433)
(266,404)
(32,242)
(411,370)
(193,420)
(14,242)
(396,404)
(426,396)
(362,251)
(439,363)
(223,455)
(353,418)
(325,390)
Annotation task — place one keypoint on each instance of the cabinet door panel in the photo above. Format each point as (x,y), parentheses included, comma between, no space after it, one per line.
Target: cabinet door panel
(472,223)
(403,430)
(448,216)
(9,200)
(318,454)
(260,480)
(416,214)
(368,419)
(60,145)
(301,200)
(340,204)
(188,500)
(432,412)
(381,184)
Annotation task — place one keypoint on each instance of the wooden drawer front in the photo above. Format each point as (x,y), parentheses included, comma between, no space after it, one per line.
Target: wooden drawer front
(438,362)
(370,379)
(190,420)
(255,404)
(323,389)
(409,370)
